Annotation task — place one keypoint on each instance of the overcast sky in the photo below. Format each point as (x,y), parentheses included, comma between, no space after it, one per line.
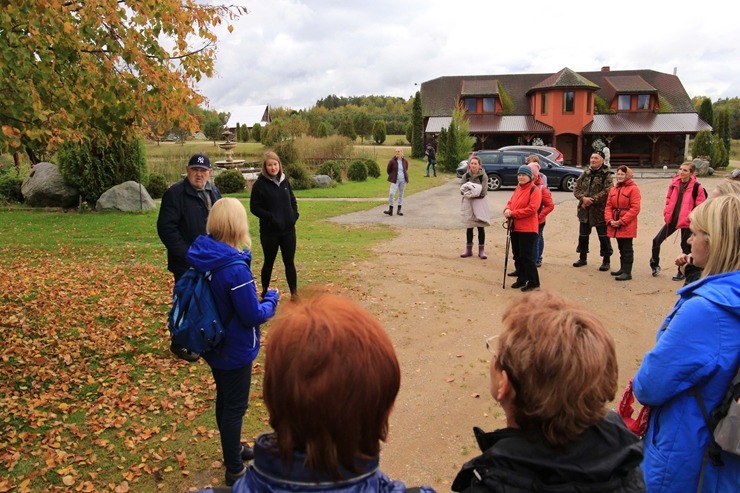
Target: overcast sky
(291,53)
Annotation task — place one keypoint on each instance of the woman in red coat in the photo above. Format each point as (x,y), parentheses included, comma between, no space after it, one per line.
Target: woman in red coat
(521,211)
(622,208)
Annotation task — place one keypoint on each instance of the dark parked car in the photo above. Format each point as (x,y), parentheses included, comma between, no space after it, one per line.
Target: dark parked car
(501,168)
(550,153)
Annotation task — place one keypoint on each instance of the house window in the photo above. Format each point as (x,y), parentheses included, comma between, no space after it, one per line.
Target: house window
(489,105)
(471,105)
(643,101)
(543,105)
(623,102)
(569,100)
(588,103)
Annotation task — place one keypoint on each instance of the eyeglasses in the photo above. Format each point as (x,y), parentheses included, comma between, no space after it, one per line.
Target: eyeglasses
(491,345)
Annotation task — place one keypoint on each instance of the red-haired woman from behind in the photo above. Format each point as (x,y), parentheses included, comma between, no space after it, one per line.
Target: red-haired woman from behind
(331,378)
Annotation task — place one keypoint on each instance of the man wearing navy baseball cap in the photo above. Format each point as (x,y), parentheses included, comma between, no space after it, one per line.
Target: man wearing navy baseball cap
(184,212)
(182,218)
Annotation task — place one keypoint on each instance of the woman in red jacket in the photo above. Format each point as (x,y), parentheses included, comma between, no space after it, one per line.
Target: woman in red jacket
(622,208)
(521,211)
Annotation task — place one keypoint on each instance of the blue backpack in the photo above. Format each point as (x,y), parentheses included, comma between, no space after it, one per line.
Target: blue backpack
(194,323)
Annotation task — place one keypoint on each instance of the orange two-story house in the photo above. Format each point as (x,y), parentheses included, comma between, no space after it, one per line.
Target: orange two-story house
(645,117)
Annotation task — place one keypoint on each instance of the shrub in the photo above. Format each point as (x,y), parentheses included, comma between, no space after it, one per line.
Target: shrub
(10,188)
(94,167)
(230,181)
(372,168)
(331,168)
(257,132)
(288,152)
(718,156)
(300,178)
(357,170)
(702,144)
(156,185)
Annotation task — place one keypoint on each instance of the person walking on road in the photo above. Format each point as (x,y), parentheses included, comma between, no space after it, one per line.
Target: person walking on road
(431,155)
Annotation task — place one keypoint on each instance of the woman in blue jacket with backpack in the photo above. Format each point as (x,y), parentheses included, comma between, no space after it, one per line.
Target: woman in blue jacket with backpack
(695,358)
(241,312)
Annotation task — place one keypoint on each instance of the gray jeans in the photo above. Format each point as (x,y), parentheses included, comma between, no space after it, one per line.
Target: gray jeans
(400,187)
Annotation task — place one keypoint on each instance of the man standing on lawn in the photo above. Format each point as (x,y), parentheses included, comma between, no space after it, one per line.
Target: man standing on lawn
(182,218)
(184,212)
(398,175)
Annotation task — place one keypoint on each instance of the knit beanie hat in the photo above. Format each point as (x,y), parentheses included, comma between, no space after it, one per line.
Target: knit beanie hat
(535,166)
(525,170)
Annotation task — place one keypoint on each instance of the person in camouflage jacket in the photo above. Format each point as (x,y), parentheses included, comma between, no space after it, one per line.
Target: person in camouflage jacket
(591,190)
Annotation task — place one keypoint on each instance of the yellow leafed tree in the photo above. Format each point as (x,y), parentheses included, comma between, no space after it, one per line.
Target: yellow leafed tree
(102,68)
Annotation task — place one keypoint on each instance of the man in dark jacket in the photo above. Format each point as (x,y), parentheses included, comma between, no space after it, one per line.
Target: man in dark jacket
(591,190)
(431,155)
(184,212)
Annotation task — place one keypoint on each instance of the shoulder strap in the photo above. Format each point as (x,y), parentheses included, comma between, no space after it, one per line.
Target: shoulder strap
(695,191)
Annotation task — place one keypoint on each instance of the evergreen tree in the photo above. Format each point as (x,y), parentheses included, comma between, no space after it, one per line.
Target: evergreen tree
(706,112)
(379,132)
(347,129)
(257,132)
(417,134)
(702,145)
(723,127)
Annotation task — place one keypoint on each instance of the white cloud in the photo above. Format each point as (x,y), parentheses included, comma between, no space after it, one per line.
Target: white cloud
(293,52)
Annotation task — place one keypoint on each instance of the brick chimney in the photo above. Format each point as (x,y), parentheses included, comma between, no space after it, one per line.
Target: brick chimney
(605,68)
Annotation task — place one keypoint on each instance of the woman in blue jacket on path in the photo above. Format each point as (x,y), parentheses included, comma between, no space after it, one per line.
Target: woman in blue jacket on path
(697,349)
(242,313)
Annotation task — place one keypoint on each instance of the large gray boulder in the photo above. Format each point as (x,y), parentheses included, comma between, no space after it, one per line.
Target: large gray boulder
(45,187)
(128,196)
(702,167)
(321,181)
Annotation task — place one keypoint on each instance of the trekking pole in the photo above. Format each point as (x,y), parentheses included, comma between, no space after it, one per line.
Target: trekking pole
(507,225)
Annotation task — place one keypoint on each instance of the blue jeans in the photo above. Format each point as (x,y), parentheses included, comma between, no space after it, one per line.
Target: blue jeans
(433,165)
(232,399)
(539,245)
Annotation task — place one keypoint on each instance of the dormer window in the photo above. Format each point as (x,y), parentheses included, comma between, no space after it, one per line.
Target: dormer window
(489,105)
(477,105)
(643,101)
(623,102)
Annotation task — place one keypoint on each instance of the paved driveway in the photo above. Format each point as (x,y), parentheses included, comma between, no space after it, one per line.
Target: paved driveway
(437,208)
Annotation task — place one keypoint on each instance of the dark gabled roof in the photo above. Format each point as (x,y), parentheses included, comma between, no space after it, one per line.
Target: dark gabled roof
(479,88)
(649,123)
(629,84)
(565,79)
(439,96)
